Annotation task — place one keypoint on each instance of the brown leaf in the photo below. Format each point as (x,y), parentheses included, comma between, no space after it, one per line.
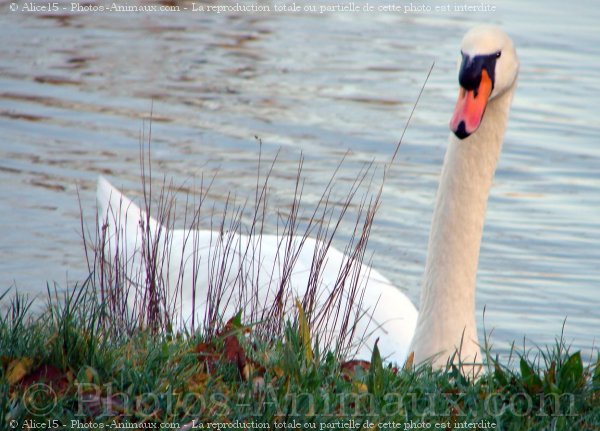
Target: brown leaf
(277,371)
(204,348)
(91,375)
(17,369)
(207,356)
(232,352)
(229,327)
(197,382)
(235,354)
(48,374)
(348,368)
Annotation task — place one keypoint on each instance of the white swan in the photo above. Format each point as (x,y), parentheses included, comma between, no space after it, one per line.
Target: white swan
(254,265)
(446,322)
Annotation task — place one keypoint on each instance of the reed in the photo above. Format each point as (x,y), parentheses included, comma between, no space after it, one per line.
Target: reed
(142,290)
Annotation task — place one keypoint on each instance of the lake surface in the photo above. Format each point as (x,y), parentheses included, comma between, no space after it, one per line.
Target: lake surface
(76,90)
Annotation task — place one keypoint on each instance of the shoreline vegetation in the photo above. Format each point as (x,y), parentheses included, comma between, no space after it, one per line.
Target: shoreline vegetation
(68,369)
(87,361)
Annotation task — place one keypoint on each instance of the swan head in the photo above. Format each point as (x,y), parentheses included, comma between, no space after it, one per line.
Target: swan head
(488,68)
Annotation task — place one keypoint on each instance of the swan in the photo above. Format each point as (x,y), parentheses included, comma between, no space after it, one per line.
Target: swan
(259,263)
(444,328)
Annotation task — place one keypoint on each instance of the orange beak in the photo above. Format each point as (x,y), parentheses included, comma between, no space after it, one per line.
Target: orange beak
(470,107)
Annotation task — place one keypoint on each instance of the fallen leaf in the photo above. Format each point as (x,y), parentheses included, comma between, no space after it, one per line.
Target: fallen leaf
(207,356)
(278,371)
(17,369)
(235,354)
(348,368)
(360,387)
(197,382)
(48,374)
(409,361)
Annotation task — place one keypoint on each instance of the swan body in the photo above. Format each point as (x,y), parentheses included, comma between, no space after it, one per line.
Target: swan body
(445,324)
(191,263)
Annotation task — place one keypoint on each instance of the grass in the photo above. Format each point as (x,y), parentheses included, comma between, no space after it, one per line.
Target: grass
(60,368)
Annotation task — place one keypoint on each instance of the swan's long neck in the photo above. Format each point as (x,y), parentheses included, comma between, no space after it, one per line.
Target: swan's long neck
(447,312)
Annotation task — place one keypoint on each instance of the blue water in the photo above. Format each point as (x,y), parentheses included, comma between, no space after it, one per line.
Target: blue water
(75,90)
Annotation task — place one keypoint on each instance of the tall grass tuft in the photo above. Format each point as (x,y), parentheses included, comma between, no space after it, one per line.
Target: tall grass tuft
(142,284)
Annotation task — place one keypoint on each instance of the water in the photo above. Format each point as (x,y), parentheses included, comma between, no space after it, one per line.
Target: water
(75,90)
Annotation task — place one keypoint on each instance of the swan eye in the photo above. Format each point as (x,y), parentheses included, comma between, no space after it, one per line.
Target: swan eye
(498,54)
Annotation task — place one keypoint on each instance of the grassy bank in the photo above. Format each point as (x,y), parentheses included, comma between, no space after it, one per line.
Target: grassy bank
(68,369)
